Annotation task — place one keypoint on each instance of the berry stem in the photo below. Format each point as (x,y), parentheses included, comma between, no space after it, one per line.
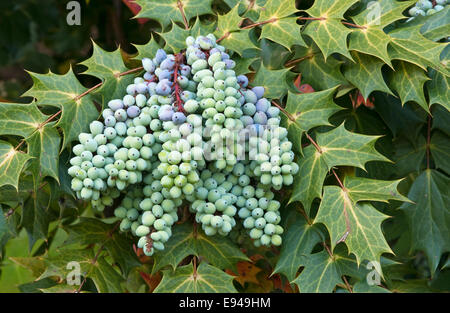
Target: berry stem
(223,37)
(179,101)
(272,20)
(185,21)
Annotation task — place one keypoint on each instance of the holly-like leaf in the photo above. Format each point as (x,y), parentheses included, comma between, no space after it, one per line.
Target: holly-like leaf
(277,9)
(205,279)
(358,224)
(365,74)
(298,241)
(243,65)
(440,150)
(317,72)
(409,157)
(25,120)
(238,41)
(285,31)
(175,38)
(166,11)
(219,251)
(63,91)
(200,29)
(439,89)
(107,66)
(311,109)
(327,9)
(408,44)
(381,13)
(329,35)
(344,148)
(429,216)
(309,180)
(366,189)
(93,231)
(228,22)
(373,41)
(274,81)
(12,163)
(437,26)
(147,50)
(408,80)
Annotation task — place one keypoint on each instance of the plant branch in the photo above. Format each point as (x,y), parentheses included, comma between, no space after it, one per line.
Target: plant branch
(223,37)
(185,21)
(295,61)
(349,288)
(179,101)
(272,20)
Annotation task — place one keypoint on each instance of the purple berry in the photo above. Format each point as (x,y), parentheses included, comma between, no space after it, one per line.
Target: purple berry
(149,76)
(110,121)
(200,54)
(213,50)
(178,118)
(262,105)
(115,104)
(242,80)
(273,112)
(259,91)
(142,88)
(160,56)
(163,89)
(167,64)
(133,111)
(165,74)
(185,70)
(225,56)
(229,63)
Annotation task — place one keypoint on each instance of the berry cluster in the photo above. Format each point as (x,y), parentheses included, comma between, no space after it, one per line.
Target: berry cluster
(190,131)
(426,7)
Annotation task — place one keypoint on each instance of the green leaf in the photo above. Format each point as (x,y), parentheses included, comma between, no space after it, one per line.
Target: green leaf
(219,251)
(277,9)
(309,180)
(440,150)
(62,91)
(200,29)
(317,72)
(439,89)
(206,279)
(12,163)
(238,41)
(363,287)
(408,44)
(343,148)
(298,241)
(274,81)
(366,189)
(441,119)
(429,216)
(43,141)
(373,41)
(365,74)
(175,39)
(311,109)
(408,80)
(329,35)
(409,156)
(93,231)
(107,66)
(36,215)
(335,9)
(243,65)
(285,31)
(358,224)
(228,22)
(437,26)
(382,13)
(147,50)
(166,11)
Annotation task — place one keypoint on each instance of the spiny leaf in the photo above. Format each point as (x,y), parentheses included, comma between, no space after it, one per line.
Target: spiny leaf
(408,44)
(373,41)
(175,39)
(329,35)
(93,231)
(335,9)
(200,29)
(311,109)
(238,41)
(441,119)
(317,72)
(285,31)
(166,11)
(62,91)
(344,148)
(206,279)
(274,81)
(440,150)
(277,9)
(228,22)
(409,157)
(366,189)
(365,74)
(43,141)
(381,13)
(408,80)
(309,180)
(436,26)
(217,250)
(358,224)
(243,65)
(147,50)
(12,163)
(298,241)
(429,216)
(439,89)
(107,66)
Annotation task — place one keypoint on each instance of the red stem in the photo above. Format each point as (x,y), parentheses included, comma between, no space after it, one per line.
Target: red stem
(179,101)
